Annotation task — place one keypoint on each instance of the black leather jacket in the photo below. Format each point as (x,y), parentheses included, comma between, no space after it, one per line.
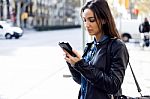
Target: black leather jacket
(102,79)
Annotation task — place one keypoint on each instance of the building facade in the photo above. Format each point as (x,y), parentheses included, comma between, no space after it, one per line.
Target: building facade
(40,13)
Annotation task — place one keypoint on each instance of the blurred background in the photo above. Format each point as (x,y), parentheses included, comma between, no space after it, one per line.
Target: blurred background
(40,13)
(45,13)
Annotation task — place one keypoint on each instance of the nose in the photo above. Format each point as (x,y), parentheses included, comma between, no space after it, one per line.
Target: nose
(87,24)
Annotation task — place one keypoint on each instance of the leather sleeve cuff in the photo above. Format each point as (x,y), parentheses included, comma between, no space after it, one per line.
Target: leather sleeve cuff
(79,63)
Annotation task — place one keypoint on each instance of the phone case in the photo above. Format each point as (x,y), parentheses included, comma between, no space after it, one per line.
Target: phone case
(67,47)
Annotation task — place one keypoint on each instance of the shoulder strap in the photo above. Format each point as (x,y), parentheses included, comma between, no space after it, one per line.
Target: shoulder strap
(108,52)
(108,60)
(136,82)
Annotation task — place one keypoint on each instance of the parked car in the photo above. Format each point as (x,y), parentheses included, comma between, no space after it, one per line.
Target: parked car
(8,31)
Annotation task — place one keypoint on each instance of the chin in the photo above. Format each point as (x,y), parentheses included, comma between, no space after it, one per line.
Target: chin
(91,34)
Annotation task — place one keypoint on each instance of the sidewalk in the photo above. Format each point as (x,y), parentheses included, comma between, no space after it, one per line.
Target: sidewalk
(37,73)
(31,74)
(26,30)
(140,63)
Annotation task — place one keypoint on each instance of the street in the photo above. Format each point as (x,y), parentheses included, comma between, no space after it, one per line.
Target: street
(33,66)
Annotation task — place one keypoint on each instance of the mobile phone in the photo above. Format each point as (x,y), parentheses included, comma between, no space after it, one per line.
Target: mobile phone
(66,46)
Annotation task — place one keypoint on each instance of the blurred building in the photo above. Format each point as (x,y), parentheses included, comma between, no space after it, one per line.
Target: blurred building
(40,13)
(4,9)
(57,13)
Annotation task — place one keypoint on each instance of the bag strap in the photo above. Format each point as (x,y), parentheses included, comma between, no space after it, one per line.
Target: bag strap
(136,82)
(108,63)
(108,52)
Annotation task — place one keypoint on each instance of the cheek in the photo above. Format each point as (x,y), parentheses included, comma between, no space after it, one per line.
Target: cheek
(96,27)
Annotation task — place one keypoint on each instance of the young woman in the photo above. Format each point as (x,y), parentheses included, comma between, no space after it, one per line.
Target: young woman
(99,72)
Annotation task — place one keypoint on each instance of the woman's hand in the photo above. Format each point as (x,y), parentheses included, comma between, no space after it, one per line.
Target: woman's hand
(70,59)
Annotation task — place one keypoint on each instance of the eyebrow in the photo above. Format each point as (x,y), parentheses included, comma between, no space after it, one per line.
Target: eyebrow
(89,17)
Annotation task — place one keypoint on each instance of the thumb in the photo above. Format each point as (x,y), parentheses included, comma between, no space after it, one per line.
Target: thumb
(77,53)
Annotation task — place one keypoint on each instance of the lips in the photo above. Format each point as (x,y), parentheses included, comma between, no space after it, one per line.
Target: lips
(89,30)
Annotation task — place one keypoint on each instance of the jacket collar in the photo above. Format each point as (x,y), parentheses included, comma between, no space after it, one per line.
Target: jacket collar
(102,41)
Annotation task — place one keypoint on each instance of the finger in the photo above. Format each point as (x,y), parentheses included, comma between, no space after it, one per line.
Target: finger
(67,54)
(65,51)
(78,55)
(64,55)
(68,60)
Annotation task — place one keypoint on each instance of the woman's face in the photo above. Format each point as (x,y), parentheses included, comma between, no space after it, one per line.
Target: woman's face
(90,22)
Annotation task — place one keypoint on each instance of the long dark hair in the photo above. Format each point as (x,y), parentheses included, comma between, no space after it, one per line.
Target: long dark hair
(102,12)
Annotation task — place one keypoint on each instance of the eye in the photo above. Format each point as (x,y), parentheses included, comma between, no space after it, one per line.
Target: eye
(92,19)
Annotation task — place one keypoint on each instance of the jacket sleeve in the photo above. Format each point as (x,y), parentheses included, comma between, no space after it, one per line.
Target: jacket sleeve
(75,74)
(108,82)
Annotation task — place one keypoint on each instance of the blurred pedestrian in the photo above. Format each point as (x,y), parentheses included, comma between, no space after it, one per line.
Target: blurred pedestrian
(144,29)
(24,18)
(99,72)
(145,26)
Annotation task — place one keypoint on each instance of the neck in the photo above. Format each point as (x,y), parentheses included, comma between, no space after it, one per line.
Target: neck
(98,37)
